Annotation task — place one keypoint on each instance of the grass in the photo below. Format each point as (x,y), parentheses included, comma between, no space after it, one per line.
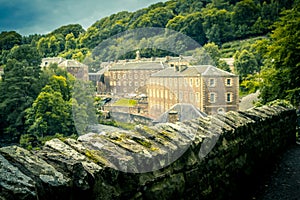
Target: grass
(228,49)
(126,102)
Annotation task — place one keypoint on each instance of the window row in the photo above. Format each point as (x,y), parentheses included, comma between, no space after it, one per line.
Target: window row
(125,83)
(182,96)
(212,82)
(129,76)
(212,98)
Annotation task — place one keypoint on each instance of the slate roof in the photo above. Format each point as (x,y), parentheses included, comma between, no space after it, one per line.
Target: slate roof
(138,66)
(71,63)
(204,70)
(185,112)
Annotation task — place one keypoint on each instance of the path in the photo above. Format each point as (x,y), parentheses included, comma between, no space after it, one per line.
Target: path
(284,182)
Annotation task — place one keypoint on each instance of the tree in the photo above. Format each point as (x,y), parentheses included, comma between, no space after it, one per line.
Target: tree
(19,87)
(216,24)
(282,68)
(190,25)
(245,14)
(245,63)
(9,39)
(50,114)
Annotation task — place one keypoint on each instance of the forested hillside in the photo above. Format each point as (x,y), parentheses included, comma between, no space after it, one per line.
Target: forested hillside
(205,21)
(35,103)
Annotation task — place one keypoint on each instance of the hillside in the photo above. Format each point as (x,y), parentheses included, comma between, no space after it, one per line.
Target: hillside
(205,21)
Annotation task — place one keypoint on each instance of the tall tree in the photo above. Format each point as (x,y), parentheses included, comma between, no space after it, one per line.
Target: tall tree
(9,39)
(281,78)
(19,87)
(245,63)
(50,114)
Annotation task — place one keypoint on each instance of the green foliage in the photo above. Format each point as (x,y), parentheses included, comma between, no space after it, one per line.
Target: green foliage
(245,63)
(74,29)
(29,141)
(51,111)
(49,114)
(84,111)
(250,84)
(210,55)
(216,24)
(19,87)
(282,63)
(9,39)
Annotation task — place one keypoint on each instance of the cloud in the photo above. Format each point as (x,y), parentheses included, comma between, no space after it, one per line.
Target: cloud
(43,16)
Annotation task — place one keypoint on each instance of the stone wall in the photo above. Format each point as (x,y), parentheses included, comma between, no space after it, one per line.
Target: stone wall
(218,157)
(130,118)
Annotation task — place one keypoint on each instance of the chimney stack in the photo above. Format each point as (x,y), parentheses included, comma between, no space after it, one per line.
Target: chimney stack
(173,116)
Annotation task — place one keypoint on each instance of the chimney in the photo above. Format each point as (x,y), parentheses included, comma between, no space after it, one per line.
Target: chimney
(173,116)
(138,55)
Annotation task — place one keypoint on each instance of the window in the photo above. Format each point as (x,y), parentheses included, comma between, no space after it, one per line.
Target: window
(124,89)
(191,82)
(142,84)
(124,76)
(180,96)
(135,76)
(166,94)
(198,97)
(130,76)
(191,96)
(170,82)
(197,82)
(229,97)
(119,83)
(136,84)
(212,82)
(129,83)
(124,83)
(114,75)
(212,97)
(119,76)
(228,82)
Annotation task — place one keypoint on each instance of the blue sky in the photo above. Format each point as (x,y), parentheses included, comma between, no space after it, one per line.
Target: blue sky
(43,16)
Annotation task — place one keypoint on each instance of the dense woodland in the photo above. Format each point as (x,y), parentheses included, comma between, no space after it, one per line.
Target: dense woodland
(36,103)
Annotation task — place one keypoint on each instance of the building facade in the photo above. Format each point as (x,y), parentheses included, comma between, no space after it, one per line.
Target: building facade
(208,88)
(130,77)
(77,69)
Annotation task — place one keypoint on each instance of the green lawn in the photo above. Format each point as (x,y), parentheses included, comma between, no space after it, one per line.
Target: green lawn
(126,102)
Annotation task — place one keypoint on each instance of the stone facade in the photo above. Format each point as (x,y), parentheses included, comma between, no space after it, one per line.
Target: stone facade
(130,77)
(221,161)
(206,87)
(77,69)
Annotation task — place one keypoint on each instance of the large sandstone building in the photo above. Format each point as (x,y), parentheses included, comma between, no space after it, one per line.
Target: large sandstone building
(130,77)
(208,88)
(169,81)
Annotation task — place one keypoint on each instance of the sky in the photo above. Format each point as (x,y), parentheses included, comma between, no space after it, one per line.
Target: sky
(43,16)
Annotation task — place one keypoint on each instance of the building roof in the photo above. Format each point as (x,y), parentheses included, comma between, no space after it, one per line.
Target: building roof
(71,63)
(204,70)
(138,66)
(185,112)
